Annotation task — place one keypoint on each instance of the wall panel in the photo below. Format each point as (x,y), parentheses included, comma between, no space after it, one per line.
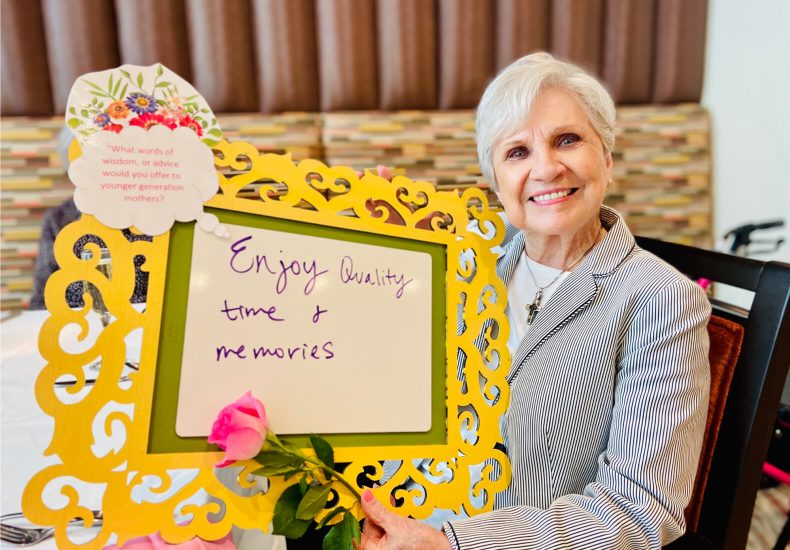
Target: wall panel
(576,27)
(81,38)
(287,61)
(466,51)
(222,53)
(163,39)
(522,27)
(407,54)
(334,55)
(347,54)
(680,50)
(628,50)
(26,88)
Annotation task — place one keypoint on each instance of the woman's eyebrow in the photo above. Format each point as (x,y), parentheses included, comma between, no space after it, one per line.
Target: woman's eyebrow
(567,129)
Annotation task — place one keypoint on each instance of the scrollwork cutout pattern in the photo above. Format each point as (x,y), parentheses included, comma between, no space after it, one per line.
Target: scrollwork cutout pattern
(459,474)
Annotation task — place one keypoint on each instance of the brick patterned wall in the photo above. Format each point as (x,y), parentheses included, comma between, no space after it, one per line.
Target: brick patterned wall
(662,180)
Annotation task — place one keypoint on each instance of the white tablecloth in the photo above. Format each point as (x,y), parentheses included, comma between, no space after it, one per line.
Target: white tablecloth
(25,431)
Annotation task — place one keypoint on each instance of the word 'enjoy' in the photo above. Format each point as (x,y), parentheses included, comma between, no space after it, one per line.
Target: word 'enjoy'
(282,268)
(244,261)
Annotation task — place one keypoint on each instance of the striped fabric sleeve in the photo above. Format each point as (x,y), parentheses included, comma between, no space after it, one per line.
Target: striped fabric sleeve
(645,475)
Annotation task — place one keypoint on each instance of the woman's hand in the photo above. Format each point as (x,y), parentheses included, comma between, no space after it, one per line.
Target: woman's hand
(384,530)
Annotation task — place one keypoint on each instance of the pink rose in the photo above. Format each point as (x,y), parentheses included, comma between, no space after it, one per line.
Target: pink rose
(240,429)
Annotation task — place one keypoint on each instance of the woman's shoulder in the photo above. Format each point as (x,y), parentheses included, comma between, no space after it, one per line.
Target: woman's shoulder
(646,275)
(638,265)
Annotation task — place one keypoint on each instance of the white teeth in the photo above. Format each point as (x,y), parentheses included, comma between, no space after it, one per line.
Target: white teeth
(552,196)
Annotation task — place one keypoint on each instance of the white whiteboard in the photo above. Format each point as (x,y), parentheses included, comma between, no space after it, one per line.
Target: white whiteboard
(332,336)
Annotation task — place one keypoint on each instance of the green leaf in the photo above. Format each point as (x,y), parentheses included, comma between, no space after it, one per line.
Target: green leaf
(99,94)
(109,84)
(85,113)
(323,449)
(163,84)
(289,475)
(313,501)
(139,80)
(115,90)
(214,132)
(72,110)
(123,91)
(92,85)
(291,446)
(267,471)
(329,516)
(126,74)
(340,536)
(74,122)
(190,98)
(278,458)
(285,521)
(303,484)
(159,70)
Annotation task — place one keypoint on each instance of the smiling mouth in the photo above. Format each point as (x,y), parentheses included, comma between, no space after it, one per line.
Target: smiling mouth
(553,195)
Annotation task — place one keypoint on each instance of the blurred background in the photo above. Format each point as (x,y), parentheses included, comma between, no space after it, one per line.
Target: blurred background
(700,85)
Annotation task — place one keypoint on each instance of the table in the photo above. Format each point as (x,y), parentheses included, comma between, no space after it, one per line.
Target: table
(25,431)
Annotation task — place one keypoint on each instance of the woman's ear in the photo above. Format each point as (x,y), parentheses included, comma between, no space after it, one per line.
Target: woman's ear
(609,164)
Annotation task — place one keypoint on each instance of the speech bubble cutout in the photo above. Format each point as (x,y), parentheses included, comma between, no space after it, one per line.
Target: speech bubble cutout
(147,179)
(131,95)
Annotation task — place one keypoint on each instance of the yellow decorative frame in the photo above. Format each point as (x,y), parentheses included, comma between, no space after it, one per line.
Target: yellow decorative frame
(317,194)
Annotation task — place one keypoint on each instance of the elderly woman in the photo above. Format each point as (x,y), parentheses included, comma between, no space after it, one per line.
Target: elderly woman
(609,380)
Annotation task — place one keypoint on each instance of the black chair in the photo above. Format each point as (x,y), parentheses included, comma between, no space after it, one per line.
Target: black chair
(754,394)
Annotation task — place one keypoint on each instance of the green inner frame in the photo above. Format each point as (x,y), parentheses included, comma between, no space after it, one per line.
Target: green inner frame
(162,433)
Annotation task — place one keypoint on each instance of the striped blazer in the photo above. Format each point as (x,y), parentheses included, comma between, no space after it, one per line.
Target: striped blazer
(608,401)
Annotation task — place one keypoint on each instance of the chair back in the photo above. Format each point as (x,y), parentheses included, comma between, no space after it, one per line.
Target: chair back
(726,338)
(752,402)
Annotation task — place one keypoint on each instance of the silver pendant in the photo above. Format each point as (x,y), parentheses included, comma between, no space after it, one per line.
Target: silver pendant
(534,307)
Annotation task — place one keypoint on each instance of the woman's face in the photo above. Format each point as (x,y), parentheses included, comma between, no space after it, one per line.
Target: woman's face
(552,172)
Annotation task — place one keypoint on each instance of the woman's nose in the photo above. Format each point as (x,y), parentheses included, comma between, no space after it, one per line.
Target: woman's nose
(546,165)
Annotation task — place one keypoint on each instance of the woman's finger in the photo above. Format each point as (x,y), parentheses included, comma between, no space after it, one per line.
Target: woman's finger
(371,530)
(384,172)
(375,511)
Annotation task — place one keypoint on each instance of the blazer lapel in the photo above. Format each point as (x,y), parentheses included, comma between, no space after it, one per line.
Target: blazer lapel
(577,291)
(573,295)
(513,247)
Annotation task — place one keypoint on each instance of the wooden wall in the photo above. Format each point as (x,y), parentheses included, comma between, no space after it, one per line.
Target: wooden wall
(273,56)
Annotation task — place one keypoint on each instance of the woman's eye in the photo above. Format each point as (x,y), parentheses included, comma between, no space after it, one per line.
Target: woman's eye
(568,139)
(518,153)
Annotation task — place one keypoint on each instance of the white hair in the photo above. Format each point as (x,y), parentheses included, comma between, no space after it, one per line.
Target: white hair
(508,100)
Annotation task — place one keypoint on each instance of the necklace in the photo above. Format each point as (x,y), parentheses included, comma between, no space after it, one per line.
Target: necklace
(535,306)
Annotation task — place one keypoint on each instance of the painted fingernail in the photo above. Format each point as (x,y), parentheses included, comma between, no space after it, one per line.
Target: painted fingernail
(367,496)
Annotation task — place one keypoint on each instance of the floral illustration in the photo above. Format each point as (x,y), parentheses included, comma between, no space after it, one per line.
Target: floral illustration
(242,431)
(138,96)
